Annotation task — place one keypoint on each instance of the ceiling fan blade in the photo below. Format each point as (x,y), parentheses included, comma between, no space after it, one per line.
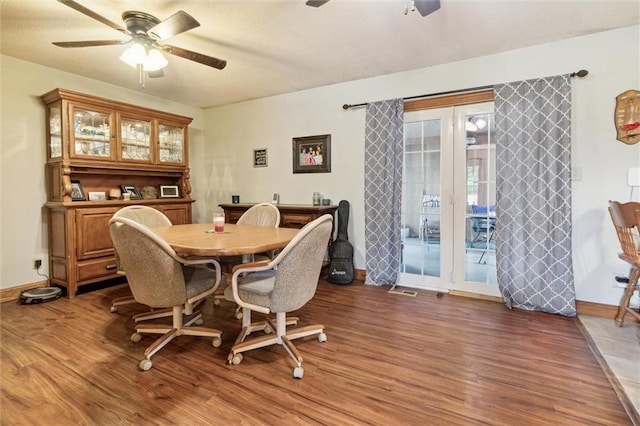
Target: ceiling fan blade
(155,74)
(425,7)
(196,57)
(316,3)
(88,43)
(175,24)
(91,14)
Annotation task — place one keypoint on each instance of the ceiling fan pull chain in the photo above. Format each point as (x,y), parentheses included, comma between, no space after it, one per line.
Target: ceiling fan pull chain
(141,75)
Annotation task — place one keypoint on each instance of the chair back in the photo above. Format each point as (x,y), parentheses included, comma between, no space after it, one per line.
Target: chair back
(264,214)
(298,266)
(154,273)
(626,220)
(144,215)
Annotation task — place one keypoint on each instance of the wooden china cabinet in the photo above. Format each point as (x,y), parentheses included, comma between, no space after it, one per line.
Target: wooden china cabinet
(98,145)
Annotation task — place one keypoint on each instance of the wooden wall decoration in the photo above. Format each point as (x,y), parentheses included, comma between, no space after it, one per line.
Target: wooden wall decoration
(627,117)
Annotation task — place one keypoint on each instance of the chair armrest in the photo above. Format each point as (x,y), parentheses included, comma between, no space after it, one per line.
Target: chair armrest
(204,261)
(238,270)
(250,265)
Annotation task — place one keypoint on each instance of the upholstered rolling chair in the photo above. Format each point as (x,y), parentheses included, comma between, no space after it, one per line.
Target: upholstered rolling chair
(264,214)
(159,278)
(281,285)
(147,216)
(626,220)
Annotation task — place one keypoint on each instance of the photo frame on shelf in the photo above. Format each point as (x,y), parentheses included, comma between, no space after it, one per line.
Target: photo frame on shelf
(97,196)
(260,157)
(312,154)
(77,194)
(169,191)
(131,189)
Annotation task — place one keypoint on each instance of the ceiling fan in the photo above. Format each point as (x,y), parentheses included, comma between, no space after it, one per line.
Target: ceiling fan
(425,7)
(145,32)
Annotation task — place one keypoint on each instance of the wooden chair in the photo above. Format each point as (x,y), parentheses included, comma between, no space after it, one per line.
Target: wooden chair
(281,285)
(159,278)
(626,220)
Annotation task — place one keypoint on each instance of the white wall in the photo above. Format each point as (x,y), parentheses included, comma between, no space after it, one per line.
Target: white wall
(23,219)
(222,142)
(613,61)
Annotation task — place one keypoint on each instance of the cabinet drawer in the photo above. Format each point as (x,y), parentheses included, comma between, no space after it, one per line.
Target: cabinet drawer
(295,220)
(96,268)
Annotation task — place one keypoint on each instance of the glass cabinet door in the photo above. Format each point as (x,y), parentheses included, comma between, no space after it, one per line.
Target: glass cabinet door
(171,144)
(55,130)
(135,139)
(91,133)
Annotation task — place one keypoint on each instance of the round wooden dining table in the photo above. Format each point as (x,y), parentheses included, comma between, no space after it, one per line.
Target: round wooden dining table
(199,239)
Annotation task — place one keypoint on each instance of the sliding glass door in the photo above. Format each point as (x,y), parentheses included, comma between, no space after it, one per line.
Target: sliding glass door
(448,200)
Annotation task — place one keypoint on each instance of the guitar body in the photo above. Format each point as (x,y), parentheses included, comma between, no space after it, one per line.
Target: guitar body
(341,270)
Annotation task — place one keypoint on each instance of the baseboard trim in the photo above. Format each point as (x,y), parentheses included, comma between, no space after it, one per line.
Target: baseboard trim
(476,296)
(13,293)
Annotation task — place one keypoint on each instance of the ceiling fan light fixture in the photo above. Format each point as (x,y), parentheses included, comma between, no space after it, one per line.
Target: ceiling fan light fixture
(150,59)
(155,61)
(134,55)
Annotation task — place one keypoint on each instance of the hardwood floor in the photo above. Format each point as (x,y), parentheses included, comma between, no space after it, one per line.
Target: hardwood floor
(389,360)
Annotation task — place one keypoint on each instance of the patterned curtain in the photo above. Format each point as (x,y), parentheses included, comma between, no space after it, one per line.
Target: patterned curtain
(383,190)
(533,229)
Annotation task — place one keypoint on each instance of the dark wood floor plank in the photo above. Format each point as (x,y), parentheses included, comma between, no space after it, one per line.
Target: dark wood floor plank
(389,359)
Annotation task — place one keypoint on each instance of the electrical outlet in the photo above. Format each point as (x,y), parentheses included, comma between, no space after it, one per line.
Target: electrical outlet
(37,263)
(620,280)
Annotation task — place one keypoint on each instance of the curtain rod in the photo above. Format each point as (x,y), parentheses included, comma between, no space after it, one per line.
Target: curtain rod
(581,73)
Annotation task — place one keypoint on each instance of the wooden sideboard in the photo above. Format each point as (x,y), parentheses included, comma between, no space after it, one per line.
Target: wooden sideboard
(291,215)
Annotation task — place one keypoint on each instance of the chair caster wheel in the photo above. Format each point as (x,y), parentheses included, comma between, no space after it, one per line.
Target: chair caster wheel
(216,302)
(145,364)
(237,359)
(267,330)
(136,337)
(322,337)
(298,372)
(199,321)
(239,315)
(113,309)
(217,341)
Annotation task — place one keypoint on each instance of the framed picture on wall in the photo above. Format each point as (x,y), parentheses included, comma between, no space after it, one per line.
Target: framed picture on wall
(312,154)
(260,157)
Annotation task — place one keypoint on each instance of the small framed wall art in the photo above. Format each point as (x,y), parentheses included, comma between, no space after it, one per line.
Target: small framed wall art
(312,154)
(627,117)
(260,157)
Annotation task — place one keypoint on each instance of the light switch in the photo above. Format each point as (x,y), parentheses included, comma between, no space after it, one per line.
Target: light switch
(576,173)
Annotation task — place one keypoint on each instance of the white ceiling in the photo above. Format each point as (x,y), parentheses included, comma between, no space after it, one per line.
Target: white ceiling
(274,47)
